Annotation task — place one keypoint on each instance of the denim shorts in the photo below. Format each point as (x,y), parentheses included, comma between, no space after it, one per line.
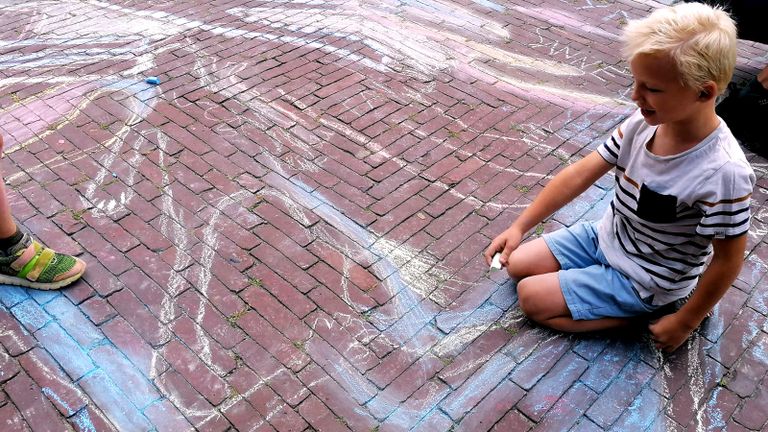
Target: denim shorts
(591,287)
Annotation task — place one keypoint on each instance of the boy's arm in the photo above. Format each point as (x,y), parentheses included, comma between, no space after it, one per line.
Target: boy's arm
(564,187)
(670,331)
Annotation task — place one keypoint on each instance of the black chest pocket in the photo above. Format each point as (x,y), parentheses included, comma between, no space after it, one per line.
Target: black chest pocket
(655,207)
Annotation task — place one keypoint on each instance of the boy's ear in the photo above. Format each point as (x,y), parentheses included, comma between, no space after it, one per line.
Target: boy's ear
(708,91)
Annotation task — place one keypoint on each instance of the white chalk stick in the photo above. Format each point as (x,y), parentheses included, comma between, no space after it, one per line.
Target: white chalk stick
(496,262)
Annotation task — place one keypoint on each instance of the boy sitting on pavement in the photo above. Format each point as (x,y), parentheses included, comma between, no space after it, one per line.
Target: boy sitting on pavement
(682,195)
(24,261)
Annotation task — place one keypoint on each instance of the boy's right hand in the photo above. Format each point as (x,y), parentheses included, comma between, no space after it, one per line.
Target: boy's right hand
(506,242)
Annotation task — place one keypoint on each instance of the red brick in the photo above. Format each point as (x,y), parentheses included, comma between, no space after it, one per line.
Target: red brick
(138,389)
(118,237)
(342,405)
(512,421)
(606,366)
(283,291)
(736,338)
(345,343)
(244,417)
(720,406)
(472,358)
(150,294)
(398,361)
(106,254)
(349,203)
(274,410)
(541,360)
(12,418)
(396,197)
(492,408)
(203,379)
(166,417)
(457,234)
(67,352)
(277,314)
(283,381)
(437,421)
(9,367)
(342,286)
(335,365)
(280,264)
(284,223)
(754,412)
(36,409)
(197,409)
(552,386)
(320,417)
(49,234)
(98,310)
(400,213)
(292,250)
(335,88)
(74,322)
(141,354)
(283,349)
(215,323)
(210,352)
(417,375)
(41,199)
(143,208)
(641,413)
(424,400)
(482,382)
(618,396)
(150,263)
(750,368)
(13,337)
(91,418)
(152,239)
(344,313)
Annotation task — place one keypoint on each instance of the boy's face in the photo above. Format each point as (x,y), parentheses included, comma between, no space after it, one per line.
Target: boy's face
(658,90)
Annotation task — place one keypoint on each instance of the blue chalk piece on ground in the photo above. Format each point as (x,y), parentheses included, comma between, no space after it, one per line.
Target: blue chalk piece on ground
(153,80)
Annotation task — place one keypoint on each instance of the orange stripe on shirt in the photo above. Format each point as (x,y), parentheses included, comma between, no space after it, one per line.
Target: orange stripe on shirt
(727,201)
(632,182)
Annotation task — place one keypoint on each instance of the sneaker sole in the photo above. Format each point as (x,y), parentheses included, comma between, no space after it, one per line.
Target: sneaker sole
(13,280)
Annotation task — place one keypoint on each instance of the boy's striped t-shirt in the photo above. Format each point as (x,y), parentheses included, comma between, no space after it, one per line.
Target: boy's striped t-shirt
(667,209)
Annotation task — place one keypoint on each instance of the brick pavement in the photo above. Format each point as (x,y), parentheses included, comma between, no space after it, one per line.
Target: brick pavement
(285,234)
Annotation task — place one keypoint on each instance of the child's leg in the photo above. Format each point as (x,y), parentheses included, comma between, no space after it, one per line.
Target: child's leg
(598,297)
(7,224)
(531,258)
(541,299)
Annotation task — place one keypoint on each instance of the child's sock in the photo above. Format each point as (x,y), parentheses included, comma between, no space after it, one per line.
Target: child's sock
(7,244)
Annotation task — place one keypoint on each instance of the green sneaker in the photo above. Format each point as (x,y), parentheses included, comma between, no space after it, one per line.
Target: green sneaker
(35,266)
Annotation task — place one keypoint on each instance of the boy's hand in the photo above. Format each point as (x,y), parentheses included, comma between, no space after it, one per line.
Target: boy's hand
(669,332)
(505,242)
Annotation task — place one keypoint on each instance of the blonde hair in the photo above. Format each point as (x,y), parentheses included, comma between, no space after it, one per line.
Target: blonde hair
(700,39)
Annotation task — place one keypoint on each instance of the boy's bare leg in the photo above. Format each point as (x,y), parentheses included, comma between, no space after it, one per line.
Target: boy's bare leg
(541,299)
(7,224)
(539,292)
(531,258)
